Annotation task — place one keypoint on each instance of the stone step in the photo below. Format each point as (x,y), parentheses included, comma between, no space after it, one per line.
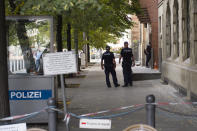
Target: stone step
(146,76)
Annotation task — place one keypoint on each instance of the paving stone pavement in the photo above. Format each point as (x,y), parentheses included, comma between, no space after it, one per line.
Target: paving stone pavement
(93,95)
(142,69)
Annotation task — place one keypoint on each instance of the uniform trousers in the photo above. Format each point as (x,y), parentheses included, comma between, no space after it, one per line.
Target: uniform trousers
(111,70)
(127,73)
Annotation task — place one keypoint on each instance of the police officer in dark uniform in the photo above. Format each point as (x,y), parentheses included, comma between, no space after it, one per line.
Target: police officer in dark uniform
(109,66)
(147,52)
(128,61)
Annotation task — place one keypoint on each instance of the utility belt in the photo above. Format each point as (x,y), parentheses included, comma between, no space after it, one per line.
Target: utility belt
(126,63)
(109,66)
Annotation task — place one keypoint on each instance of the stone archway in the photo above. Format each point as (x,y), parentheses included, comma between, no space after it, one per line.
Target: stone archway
(175,29)
(168,31)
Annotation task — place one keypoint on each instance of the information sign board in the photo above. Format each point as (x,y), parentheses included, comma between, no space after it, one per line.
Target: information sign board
(59,63)
(14,127)
(95,123)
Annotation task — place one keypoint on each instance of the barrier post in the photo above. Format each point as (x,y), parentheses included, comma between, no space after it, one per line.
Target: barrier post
(52,125)
(150,110)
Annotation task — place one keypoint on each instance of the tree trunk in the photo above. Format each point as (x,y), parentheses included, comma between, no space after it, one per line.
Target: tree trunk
(88,49)
(4,99)
(59,33)
(85,49)
(88,52)
(76,48)
(59,41)
(25,46)
(69,37)
(24,41)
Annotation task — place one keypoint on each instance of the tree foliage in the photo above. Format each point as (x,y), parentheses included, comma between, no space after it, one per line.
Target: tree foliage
(107,17)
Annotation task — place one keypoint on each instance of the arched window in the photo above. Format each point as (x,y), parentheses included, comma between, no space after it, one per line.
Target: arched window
(194,29)
(168,31)
(186,29)
(175,29)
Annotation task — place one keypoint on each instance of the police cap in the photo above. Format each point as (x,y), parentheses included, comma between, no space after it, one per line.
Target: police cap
(126,42)
(107,47)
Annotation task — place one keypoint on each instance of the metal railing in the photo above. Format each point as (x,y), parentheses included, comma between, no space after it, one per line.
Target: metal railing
(16,65)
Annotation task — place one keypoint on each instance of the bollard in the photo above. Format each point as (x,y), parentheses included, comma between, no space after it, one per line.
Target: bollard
(150,110)
(52,115)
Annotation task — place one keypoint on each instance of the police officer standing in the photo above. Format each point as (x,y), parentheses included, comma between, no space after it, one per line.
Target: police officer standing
(128,61)
(109,66)
(147,52)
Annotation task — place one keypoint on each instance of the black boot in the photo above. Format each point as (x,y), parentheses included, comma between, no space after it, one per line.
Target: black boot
(125,85)
(117,85)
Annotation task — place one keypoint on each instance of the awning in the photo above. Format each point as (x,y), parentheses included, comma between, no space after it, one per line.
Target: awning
(144,16)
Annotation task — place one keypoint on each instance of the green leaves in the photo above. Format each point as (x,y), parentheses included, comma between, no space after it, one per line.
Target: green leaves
(105,20)
(99,38)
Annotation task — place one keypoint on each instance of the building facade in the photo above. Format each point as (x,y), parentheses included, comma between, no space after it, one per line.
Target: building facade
(178,43)
(135,36)
(149,29)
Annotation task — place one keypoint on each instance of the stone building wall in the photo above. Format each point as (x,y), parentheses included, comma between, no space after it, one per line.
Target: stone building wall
(135,36)
(135,30)
(178,41)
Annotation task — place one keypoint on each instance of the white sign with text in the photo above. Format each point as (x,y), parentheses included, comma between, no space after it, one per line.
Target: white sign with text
(59,63)
(14,127)
(95,123)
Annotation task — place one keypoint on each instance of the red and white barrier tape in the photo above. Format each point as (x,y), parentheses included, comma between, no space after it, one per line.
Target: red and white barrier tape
(174,103)
(20,116)
(138,105)
(115,109)
(67,116)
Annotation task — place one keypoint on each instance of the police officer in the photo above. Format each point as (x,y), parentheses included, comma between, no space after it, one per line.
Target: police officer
(109,66)
(128,60)
(147,52)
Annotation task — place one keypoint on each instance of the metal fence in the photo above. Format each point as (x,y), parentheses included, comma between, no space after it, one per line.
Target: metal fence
(16,65)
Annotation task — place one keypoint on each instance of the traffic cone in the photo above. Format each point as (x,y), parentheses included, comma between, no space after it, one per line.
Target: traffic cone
(156,66)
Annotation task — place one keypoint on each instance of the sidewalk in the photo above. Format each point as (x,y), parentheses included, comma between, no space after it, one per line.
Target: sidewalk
(92,95)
